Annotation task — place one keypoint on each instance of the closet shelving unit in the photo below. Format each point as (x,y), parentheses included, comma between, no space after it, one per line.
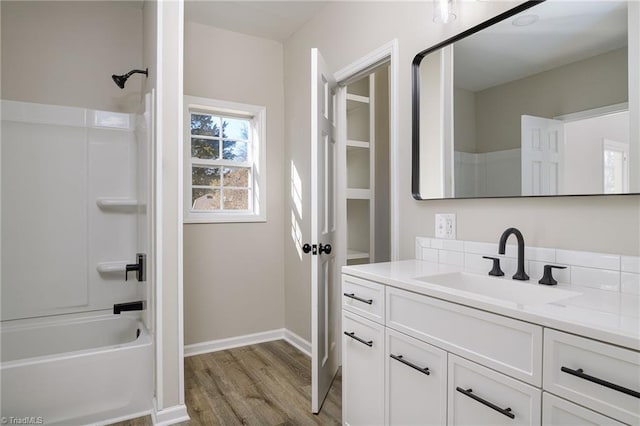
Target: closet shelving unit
(360,170)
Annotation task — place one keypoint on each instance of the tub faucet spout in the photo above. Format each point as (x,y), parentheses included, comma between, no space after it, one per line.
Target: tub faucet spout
(129,306)
(520,274)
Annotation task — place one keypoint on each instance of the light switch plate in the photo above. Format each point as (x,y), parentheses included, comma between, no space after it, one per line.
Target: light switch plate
(446,226)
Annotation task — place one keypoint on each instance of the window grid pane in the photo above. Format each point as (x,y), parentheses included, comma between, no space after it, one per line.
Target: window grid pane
(218,142)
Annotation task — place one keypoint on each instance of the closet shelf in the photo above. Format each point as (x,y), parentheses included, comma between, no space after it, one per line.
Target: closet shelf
(116,203)
(357,98)
(358,144)
(358,194)
(356,254)
(111,267)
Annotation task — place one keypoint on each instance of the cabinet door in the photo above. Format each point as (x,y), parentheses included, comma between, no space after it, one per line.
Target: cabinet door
(416,391)
(362,371)
(479,396)
(597,375)
(559,412)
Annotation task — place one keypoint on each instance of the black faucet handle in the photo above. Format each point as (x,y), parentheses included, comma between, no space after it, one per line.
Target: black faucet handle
(138,268)
(495,270)
(547,278)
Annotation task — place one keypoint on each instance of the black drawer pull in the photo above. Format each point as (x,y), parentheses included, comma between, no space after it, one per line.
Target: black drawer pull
(353,336)
(359,299)
(424,370)
(506,411)
(580,373)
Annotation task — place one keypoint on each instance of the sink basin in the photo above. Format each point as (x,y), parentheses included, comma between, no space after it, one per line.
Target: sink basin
(525,293)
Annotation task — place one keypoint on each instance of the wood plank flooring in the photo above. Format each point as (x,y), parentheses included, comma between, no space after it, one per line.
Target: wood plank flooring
(264,384)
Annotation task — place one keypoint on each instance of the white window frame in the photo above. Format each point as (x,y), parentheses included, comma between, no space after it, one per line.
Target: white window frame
(258,117)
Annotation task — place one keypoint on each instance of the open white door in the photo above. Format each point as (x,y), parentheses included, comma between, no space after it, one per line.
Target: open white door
(542,155)
(324,291)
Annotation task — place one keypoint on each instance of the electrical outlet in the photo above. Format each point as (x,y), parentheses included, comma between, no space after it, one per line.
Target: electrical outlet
(446,226)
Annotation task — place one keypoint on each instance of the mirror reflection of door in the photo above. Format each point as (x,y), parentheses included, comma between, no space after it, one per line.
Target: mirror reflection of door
(542,155)
(615,167)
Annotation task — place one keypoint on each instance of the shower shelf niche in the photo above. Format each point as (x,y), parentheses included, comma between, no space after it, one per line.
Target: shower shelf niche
(111,267)
(117,203)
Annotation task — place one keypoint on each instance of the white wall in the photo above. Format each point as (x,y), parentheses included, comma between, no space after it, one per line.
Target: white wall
(164,49)
(591,83)
(583,151)
(234,273)
(64,53)
(603,224)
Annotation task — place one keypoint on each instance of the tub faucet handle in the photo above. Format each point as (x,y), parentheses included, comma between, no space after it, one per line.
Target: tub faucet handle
(138,267)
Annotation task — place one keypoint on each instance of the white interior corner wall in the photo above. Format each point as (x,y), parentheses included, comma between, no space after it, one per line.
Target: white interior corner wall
(612,221)
(169,405)
(234,272)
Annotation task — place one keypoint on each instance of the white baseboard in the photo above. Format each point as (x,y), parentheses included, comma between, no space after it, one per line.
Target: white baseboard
(298,342)
(249,339)
(169,416)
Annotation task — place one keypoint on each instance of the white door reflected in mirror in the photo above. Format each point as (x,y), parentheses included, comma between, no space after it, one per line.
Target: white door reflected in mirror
(615,166)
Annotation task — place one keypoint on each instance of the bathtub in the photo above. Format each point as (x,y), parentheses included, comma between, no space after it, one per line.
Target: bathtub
(75,371)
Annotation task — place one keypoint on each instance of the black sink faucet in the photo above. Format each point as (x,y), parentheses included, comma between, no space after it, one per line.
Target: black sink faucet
(520,274)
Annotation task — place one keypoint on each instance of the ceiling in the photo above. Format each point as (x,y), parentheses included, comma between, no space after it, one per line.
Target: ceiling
(565,32)
(273,20)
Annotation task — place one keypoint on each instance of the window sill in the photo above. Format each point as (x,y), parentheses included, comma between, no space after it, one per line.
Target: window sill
(223,218)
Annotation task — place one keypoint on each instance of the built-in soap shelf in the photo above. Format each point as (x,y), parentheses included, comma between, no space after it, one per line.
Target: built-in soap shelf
(123,204)
(111,267)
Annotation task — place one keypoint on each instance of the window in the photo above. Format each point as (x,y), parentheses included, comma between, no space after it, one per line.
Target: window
(225,178)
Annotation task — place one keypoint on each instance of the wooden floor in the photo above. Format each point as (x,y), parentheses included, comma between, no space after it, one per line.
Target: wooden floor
(264,384)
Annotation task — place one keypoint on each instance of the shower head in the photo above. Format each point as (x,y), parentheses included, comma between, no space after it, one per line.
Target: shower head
(120,80)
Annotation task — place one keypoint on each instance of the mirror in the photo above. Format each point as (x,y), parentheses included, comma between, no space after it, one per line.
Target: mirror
(534,102)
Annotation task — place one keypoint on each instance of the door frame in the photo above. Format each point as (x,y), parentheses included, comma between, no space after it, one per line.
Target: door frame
(387,53)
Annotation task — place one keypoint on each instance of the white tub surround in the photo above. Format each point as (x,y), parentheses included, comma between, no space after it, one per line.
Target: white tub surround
(77,370)
(517,353)
(70,173)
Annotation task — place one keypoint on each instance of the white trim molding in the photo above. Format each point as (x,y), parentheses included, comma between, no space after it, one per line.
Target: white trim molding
(249,339)
(169,416)
(387,53)
(257,116)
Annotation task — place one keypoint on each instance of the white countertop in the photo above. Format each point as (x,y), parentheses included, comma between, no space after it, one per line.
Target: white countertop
(608,316)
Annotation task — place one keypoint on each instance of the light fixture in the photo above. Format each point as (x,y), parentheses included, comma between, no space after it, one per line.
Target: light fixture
(443,11)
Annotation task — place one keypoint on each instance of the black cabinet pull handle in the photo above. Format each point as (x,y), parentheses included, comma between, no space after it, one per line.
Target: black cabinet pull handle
(424,370)
(580,373)
(353,336)
(468,392)
(359,299)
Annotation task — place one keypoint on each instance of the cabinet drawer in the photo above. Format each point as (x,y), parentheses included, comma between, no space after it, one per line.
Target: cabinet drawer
(363,297)
(479,396)
(415,396)
(504,344)
(363,371)
(595,374)
(559,412)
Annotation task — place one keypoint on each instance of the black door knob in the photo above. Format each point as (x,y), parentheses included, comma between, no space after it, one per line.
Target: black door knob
(306,248)
(325,248)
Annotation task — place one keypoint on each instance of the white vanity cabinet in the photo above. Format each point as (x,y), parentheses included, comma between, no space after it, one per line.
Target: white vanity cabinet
(416,381)
(363,350)
(560,412)
(435,362)
(597,375)
(480,396)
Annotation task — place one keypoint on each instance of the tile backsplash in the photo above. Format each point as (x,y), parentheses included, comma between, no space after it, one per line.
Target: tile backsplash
(599,270)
